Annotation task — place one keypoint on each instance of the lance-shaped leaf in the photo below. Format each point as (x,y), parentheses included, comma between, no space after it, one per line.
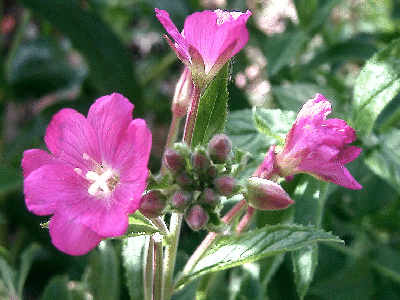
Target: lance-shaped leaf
(376,85)
(211,114)
(232,251)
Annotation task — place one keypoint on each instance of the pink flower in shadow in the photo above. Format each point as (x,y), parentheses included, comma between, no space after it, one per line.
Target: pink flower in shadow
(319,146)
(209,39)
(94,176)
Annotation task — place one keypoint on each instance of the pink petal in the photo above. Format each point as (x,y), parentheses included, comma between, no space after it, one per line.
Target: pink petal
(348,154)
(105,216)
(182,45)
(110,116)
(69,135)
(70,236)
(335,173)
(317,108)
(35,158)
(53,187)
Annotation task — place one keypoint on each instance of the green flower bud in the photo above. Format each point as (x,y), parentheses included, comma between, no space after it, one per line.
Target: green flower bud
(196,217)
(200,160)
(153,204)
(225,184)
(181,199)
(209,197)
(219,148)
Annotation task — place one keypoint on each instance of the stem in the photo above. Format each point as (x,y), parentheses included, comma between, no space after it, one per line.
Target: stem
(158,267)
(191,116)
(212,237)
(170,254)
(160,224)
(148,272)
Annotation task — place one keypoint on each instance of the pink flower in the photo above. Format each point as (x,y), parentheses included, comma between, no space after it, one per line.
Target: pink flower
(318,146)
(209,39)
(94,176)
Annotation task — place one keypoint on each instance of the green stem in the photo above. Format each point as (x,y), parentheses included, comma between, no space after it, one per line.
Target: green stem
(19,37)
(158,267)
(213,237)
(148,272)
(191,116)
(170,254)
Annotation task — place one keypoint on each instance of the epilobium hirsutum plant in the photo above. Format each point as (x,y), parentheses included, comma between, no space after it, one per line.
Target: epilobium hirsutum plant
(95,182)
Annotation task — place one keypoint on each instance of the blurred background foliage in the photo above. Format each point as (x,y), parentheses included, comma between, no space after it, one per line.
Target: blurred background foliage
(67,53)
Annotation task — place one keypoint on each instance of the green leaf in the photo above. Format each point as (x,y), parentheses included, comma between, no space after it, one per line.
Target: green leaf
(282,49)
(211,115)
(8,276)
(273,123)
(376,85)
(309,196)
(231,251)
(385,160)
(58,289)
(104,272)
(25,266)
(41,67)
(139,225)
(133,258)
(110,64)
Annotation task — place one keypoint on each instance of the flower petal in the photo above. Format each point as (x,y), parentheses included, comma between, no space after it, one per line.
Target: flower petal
(52,188)
(110,116)
(69,135)
(70,236)
(182,45)
(35,158)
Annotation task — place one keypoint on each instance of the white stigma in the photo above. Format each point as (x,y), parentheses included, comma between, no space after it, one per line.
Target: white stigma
(99,182)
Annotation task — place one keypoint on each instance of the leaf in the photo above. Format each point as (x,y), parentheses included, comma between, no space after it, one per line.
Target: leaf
(232,251)
(7,275)
(104,272)
(133,258)
(57,288)
(41,67)
(274,123)
(211,115)
(10,179)
(110,64)
(385,160)
(376,85)
(309,196)
(25,266)
(139,225)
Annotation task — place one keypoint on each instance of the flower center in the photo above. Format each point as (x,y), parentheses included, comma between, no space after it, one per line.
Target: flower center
(103,180)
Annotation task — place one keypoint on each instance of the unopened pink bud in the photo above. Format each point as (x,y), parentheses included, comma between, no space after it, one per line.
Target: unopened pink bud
(181,199)
(265,194)
(219,148)
(184,179)
(211,173)
(196,217)
(225,184)
(153,204)
(209,197)
(175,159)
(200,160)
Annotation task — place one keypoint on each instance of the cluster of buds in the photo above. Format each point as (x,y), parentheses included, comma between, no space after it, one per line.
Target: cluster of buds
(199,178)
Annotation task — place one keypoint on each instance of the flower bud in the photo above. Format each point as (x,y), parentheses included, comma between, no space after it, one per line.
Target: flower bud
(219,148)
(176,158)
(181,199)
(183,94)
(225,184)
(153,204)
(196,217)
(210,173)
(209,197)
(265,194)
(184,179)
(200,160)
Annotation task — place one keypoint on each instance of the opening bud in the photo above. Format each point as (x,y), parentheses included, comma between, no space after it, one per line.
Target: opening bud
(196,217)
(183,94)
(209,197)
(219,148)
(153,204)
(225,184)
(181,199)
(265,194)
(200,160)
